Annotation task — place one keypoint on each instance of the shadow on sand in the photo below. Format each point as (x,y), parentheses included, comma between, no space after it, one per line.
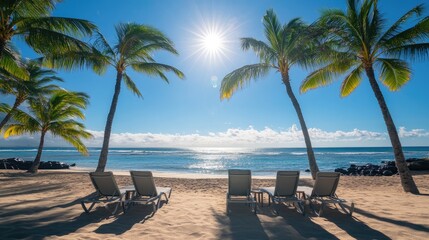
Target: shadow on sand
(241,223)
(124,222)
(46,223)
(355,228)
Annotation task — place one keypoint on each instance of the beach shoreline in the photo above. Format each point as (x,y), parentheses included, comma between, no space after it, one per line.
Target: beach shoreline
(47,206)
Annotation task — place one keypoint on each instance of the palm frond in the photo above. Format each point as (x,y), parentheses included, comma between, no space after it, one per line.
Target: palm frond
(24,8)
(11,63)
(397,26)
(351,81)
(156,69)
(272,28)
(46,41)
(18,129)
(264,51)
(131,85)
(240,77)
(5,108)
(415,34)
(326,75)
(101,44)
(418,51)
(394,73)
(69,26)
(77,59)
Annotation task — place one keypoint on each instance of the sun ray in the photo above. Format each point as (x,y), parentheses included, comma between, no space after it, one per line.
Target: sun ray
(211,42)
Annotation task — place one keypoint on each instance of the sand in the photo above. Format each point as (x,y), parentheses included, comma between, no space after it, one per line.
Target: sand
(46,206)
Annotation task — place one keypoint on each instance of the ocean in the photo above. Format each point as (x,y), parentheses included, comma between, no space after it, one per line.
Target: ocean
(262,162)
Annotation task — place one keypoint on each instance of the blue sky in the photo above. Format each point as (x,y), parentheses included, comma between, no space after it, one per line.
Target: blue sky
(189,112)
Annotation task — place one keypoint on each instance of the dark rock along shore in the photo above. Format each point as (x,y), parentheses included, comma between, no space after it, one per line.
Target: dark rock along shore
(19,164)
(388,168)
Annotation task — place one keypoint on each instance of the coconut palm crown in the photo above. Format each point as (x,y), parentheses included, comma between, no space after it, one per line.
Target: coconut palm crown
(55,114)
(31,21)
(360,44)
(134,49)
(38,85)
(287,45)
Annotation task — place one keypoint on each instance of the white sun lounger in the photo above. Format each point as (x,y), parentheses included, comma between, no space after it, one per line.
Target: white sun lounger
(239,188)
(285,190)
(146,192)
(323,192)
(107,191)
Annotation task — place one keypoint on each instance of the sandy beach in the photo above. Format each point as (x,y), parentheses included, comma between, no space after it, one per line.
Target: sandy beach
(46,206)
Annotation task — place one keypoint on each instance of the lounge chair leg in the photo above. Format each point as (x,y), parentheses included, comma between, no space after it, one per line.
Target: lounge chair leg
(116,208)
(87,210)
(124,206)
(321,209)
(299,207)
(255,207)
(352,208)
(227,209)
(84,207)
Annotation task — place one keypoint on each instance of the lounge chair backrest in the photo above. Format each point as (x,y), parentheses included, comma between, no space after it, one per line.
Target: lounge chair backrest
(326,184)
(239,182)
(144,183)
(286,183)
(105,183)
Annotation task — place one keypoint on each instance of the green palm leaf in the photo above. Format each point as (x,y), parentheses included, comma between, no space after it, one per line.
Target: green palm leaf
(240,77)
(352,81)
(131,85)
(152,68)
(394,73)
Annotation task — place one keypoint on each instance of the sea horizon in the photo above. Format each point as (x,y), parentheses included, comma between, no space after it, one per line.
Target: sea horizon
(216,160)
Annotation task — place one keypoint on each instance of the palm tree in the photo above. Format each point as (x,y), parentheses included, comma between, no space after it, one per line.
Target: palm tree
(37,86)
(287,46)
(56,115)
(134,49)
(361,44)
(31,21)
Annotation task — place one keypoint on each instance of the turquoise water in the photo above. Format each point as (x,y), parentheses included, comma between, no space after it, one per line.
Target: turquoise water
(264,161)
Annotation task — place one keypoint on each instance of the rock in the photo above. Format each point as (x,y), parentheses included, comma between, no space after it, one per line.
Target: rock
(387,173)
(19,164)
(341,170)
(418,164)
(307,170)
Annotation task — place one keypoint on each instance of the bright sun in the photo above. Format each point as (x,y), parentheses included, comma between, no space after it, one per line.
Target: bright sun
(211,42)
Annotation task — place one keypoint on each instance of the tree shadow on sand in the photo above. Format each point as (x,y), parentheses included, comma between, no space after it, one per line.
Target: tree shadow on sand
(355,228)
(124,222)
(402,223)
(48,223)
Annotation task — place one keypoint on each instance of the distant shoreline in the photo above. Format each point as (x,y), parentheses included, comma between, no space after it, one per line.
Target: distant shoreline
(165,174)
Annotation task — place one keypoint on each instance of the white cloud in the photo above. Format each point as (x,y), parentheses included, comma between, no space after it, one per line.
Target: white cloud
(403,133)
(237,137)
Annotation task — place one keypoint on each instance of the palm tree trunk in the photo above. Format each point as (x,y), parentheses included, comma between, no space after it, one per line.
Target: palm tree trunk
(108,129)
(35,166)
(9,114)
(310,153)
(407,181)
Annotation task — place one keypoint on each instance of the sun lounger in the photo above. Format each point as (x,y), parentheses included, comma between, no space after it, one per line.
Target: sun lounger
(239,188)
(323,192)
(146,192)
(107,191)
(285,190)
